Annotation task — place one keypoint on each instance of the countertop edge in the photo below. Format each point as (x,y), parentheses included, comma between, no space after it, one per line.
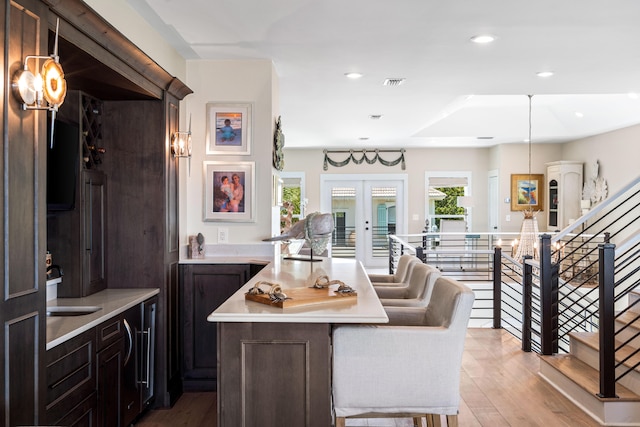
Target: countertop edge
(278,318)
(260,260)
(138,295)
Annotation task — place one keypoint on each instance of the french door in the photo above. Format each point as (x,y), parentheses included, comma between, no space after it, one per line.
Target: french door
(366,209)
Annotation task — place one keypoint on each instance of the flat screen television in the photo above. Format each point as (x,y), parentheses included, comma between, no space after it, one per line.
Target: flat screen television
(62,165)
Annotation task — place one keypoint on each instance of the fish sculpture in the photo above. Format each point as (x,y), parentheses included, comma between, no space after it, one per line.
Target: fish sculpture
(315,228)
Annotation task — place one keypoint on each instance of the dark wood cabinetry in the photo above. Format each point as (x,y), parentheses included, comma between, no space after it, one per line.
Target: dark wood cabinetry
(22,213)
(143,247)
(83,415)
(100,61)
(77,237)
(71,379)
(204,288)
(295,393)
(91,377)
(94,233)
(109,370)
(109,362)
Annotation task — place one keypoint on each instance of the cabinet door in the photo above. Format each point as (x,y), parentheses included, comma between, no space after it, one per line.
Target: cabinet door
(110,362)
(22,212)
(94,231)
(205,287)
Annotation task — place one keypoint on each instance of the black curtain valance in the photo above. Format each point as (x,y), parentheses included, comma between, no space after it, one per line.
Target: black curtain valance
(364,158)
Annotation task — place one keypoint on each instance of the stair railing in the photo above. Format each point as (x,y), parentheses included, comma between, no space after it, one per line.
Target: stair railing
(592,280)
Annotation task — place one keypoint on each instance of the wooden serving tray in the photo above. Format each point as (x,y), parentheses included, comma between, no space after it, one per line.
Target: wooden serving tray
(300,297)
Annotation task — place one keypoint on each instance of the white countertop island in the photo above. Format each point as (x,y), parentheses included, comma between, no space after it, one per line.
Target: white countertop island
(274,364)
(297,274)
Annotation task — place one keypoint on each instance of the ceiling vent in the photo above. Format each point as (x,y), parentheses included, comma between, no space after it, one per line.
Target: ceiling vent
(393,82)
(375,116)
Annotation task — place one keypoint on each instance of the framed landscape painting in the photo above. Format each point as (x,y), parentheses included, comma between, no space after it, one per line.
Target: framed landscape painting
(229,191)
(229,128)
(527,192)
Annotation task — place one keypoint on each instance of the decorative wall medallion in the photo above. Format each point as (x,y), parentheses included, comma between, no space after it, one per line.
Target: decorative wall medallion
(278,145)
(595,186)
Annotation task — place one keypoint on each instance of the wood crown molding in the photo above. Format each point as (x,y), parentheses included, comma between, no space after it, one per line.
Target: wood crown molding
(79,15)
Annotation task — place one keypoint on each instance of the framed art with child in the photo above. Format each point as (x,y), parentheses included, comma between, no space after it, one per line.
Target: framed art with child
(229,191)
(229,128)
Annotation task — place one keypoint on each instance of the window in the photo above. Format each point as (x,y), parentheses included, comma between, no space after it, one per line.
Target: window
(293,196)
(444,190)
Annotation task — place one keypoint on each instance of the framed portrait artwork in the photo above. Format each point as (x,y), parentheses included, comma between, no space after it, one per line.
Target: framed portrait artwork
(229,128)
(527,192)
(229,191)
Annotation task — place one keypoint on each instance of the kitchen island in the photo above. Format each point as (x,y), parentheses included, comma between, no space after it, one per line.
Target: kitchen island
(274,363)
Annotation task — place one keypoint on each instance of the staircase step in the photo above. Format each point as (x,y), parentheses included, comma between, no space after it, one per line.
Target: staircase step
(580,383)
(586,346)
(592,340)
(586,377)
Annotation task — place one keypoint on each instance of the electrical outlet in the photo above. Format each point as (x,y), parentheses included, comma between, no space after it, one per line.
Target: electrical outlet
(223,235)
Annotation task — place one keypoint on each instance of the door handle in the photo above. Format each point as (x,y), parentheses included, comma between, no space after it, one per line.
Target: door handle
(130,339)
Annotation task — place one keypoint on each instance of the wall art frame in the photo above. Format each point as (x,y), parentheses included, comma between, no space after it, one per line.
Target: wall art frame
(527,192)
(229,128)
(229,191)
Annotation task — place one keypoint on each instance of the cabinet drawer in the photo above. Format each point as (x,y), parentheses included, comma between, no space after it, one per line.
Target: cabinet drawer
(109,332)
(83,415)
(70,374)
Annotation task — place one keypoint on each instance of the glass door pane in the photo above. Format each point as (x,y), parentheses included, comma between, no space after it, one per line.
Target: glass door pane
(383,207)
(343,207)
(381,214)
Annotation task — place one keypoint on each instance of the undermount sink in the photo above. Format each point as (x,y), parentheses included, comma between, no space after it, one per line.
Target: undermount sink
(72,310)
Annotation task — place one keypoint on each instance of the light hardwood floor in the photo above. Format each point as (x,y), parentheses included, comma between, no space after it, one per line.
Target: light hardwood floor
(499,386)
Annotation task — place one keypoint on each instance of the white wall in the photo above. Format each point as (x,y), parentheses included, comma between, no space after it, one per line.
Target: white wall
(229,81)
(617,153)
(514,159)
(124,18)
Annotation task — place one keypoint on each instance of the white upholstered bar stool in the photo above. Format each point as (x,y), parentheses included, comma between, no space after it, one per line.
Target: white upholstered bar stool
(417,292)
(400,277)
(412,370)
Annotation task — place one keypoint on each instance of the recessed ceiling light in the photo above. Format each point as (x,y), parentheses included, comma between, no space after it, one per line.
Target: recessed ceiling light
(363,138)
(483,39)
(375,116)
(578,114)
(544,73)
(353,75)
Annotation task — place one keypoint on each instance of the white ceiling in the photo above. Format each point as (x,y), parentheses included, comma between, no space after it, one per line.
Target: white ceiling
(455,90)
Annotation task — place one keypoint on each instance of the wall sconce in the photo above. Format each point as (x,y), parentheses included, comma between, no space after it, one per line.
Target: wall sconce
(46,89)
(181,143)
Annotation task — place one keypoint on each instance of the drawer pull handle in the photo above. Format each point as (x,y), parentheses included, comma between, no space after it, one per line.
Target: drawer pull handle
(58,383)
